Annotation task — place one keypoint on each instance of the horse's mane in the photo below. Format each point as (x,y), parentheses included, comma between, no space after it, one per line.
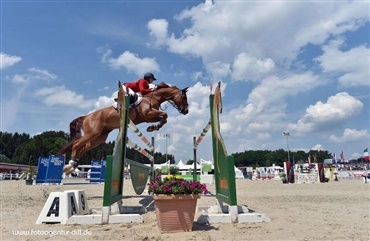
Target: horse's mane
(162,85)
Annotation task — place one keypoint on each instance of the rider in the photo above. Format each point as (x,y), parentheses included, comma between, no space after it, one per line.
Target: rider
(140,86)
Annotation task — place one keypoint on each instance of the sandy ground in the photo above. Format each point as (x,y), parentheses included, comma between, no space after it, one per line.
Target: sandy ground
(330,211)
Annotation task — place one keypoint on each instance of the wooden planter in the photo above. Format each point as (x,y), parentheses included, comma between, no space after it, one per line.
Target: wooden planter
(175,212)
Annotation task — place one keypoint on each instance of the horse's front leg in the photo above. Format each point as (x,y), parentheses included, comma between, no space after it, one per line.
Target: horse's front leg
(162,118)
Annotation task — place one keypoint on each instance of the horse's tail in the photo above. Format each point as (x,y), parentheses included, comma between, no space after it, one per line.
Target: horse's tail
(75,128)
(75,133)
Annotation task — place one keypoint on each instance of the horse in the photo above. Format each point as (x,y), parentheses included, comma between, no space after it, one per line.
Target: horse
(97,125)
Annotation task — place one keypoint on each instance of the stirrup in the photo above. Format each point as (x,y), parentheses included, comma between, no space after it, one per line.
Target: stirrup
(133,99)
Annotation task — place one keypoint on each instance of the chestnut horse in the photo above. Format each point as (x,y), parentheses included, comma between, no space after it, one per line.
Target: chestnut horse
(97,125)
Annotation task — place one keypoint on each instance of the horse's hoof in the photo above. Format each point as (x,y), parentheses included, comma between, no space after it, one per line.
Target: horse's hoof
(70,167)
(72,170)
(150,129)
(67,168)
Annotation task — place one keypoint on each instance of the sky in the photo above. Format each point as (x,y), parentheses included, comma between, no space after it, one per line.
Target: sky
(285,66)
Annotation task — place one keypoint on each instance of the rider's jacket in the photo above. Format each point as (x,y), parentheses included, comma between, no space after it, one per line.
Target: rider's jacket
(140,85)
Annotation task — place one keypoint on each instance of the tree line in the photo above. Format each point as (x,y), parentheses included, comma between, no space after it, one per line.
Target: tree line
(24,149)
(265,158)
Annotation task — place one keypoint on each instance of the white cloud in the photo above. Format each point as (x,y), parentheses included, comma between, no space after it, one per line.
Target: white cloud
(254,124)
(237,46)
(131,62)
(197,76)
(105,51)
(60,96)
(193,44)
(323,117)
(34,75)
(158,30)
(218,70)
(247,67)
(105,101)
(354,72)
(42,74)
(318,147)
(270,95)
(20,79)
(8,60)
(350,135)
(217,35)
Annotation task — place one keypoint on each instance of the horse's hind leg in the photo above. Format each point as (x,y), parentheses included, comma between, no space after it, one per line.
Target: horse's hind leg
(92,144)
(81,144)
(78,149)
(81,148)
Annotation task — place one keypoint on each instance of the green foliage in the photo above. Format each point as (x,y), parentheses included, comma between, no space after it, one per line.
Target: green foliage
(174,185)
(18,148)
(21,148)
(12,144)
(161,158)
(190,162)
(207,168)
(258,158)
(3,158)
(174,170)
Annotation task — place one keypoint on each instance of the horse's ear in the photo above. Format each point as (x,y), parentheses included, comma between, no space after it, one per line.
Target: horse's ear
(185,90)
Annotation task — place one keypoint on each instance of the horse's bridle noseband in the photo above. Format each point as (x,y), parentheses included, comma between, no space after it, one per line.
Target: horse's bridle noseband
(181,109)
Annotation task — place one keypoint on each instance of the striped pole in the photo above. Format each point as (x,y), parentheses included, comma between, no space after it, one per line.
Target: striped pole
(195,161)
(139,149)
(204,132)
(140,135)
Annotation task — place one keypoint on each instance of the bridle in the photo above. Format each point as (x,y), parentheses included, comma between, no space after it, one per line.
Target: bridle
(182,108)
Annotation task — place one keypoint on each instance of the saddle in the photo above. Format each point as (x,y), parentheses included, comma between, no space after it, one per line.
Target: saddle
(134,100)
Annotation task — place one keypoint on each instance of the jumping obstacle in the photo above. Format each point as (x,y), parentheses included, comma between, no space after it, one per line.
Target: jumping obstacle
(97,171)
(224,175)
(196,143)
(294,176)
(50,170)
(114,178)
(266,173)
(138,171)
(113,193)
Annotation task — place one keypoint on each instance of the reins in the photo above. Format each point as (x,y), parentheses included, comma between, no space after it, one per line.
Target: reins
(172,102)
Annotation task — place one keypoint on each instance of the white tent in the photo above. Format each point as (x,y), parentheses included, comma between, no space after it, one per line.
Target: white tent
(238,173)
(182,166)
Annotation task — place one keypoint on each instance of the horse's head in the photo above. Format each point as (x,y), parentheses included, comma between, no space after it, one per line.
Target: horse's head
(180,101)
(177,97)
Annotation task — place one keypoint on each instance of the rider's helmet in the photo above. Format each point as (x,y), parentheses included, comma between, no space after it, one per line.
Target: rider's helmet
(147,76)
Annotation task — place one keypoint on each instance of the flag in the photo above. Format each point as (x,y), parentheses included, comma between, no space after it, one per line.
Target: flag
(342,156)
(366,155)
(309,159)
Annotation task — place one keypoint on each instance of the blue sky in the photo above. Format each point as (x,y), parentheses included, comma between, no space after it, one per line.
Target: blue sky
(285,66)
